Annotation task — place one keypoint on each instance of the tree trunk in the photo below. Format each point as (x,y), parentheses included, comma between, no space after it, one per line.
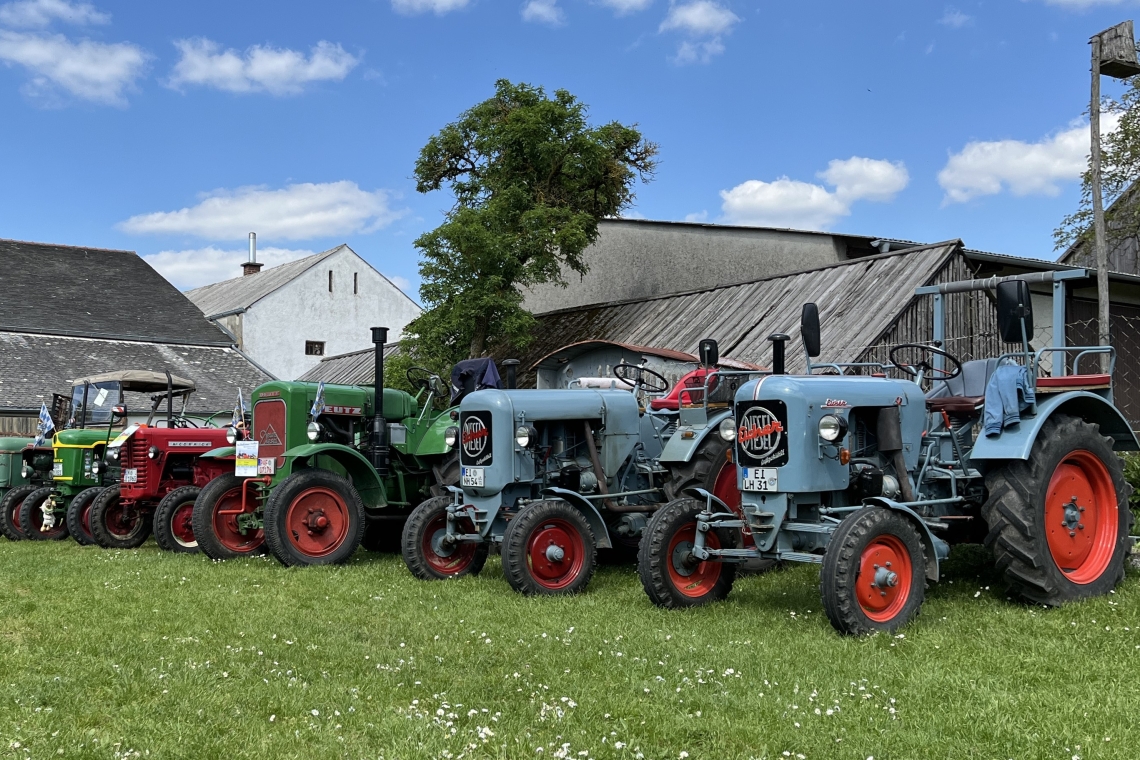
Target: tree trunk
(478,340)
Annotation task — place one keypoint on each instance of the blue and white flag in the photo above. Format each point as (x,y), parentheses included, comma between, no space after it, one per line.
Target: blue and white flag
(239,412)
(319,401)
(45,425)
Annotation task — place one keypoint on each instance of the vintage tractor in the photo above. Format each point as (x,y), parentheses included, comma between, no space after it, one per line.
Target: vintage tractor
(14,479)
(553,475)
(332,470)
(875,479)
(162,473)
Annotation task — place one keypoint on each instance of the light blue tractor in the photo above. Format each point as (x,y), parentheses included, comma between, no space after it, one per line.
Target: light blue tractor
(875,477)
(550,476)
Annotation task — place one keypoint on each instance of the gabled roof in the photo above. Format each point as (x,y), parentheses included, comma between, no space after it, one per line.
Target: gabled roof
(92,292)
(353,368)
(240,293)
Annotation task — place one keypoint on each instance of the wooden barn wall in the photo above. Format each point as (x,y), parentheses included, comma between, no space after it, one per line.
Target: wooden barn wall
(1081,330)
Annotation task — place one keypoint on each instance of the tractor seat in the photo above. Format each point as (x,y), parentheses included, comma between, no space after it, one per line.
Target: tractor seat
(672,401)
(966,392)
(1072,383)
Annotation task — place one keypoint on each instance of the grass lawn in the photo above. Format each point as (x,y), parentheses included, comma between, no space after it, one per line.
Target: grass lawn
(129,654)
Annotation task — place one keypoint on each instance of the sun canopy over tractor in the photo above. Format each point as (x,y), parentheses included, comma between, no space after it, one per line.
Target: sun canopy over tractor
(139,381)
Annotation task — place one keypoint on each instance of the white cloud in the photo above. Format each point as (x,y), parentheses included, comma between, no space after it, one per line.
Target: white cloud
(90,70)
(697,217)
(703,22)
(295,212)
(273,70)
(400,282)
(41,13)
(698,52)
(804,205)
(954,18)
(988,167)
(627,6)
(438,7)
(203,266)
(543,12)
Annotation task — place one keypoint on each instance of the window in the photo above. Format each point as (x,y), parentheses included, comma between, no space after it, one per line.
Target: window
(330,280)
(354,281)
(314,348)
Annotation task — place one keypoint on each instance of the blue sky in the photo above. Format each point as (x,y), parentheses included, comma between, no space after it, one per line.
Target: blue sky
(175,129)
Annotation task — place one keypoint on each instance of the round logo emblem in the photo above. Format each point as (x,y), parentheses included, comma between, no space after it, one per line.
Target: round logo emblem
(474,437)
(760,432)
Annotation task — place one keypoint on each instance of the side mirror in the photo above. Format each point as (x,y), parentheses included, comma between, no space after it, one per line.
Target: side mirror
(809,329)
(119,412)
(709,352)
(1013,305)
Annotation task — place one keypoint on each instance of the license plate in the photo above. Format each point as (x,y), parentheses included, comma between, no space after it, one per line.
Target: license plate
(57,470)
(471,476)
(131,475)
(760,479)
(266,465)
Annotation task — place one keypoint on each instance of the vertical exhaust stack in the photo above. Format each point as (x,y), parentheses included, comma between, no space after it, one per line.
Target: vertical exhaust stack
(379,439)
(778,341)
(512,367)
(251,266)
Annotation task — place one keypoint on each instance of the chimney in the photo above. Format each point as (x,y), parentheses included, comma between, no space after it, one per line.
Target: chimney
(251,266)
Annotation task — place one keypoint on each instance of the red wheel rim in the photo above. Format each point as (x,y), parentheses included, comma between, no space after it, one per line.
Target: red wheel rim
(452,562)
(122,519)
(181,524)
(1081,517)
(727,489)
(14,517)
(226,526)
(317,522)
(698,580)
(885,573)
(555,553)
(85,520)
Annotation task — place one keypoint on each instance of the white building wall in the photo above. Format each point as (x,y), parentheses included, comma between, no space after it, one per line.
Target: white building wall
(275,329)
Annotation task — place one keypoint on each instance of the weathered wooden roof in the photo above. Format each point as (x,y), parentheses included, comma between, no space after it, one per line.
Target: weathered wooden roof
(353,368)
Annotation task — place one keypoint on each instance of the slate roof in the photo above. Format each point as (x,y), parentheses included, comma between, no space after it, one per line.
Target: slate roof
(242,292)
(353,368)
(93,292)
(32,367)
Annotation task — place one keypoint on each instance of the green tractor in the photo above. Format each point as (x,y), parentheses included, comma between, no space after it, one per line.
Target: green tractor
(14,476)
(326,471)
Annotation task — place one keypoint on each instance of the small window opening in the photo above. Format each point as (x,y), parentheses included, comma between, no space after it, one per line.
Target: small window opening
(354,283)
(330,280)
(314,348)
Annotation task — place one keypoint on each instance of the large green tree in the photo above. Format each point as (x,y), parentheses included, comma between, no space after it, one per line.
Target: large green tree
(531,179)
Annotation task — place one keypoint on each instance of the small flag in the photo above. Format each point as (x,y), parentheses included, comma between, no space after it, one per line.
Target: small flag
(239,411)
(45,425)
(319,401)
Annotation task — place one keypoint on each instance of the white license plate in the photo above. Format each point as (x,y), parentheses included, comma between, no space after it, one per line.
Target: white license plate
(266,465)
(760,479)
(471,476)
(57,470)
(131,475)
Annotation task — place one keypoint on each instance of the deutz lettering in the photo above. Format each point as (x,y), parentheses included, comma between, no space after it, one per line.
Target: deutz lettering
(772,427)
(341,409)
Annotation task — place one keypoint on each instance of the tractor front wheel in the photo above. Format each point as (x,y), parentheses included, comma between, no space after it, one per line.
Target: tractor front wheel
(425,549)
(79,516)
(215,521)
(874,572)
(549,549)
(670,574)
(119,524)
(1059,522)
(10,512)
(314,517)
(174,521)
(32,518)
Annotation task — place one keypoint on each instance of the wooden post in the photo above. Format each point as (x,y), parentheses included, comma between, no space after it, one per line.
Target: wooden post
(1099,244)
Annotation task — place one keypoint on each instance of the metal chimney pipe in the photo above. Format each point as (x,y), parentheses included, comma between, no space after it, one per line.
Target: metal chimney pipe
(253,248)
(379,438)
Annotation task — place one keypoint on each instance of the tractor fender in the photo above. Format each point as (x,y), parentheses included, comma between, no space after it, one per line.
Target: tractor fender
(679,450)
(1017,442)
(432,442)
(360,471)
(708,498)
(223,452)
(936,549)
(588,510)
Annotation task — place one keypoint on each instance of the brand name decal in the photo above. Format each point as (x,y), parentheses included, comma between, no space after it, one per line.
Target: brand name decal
(834,403)
(269,394)
(191,444)
(341,409)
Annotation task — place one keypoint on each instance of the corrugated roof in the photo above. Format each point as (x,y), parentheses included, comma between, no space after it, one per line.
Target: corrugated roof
(242,292)
(353,368)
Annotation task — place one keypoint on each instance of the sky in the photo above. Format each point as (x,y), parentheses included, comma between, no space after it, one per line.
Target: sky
(175,129)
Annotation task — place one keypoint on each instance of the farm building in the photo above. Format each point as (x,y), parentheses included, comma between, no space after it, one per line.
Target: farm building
(1122,225)
(290,316)
(72,312)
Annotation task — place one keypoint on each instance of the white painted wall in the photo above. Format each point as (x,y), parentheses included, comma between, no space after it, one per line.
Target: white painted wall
(274,329)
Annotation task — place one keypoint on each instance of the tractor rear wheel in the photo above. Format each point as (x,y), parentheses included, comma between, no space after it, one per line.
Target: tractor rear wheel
(79,516)
(314,517)
(119,524)
(427,555)
(549,549)
(10,512)
(1059,522)
(873,576)
(174,521)
(219,535)
(32,518)
(670,574)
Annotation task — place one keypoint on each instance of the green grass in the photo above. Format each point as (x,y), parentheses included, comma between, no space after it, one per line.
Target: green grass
(126,654)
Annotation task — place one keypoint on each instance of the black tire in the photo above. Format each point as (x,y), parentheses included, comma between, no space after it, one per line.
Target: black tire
(1016,515)
(80,529)
(863,537)
(218,536)
(446,473)
(325,495)
(668,576)
(10,512)
(539,529)
(116,525)
(173,521)
(32,518)
(425,557)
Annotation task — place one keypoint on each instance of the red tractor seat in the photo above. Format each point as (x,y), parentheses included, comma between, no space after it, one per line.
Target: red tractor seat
(955,404)
(672,401)
(1072,383)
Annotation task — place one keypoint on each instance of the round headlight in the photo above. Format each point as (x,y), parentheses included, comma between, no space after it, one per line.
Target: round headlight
(26,471)
(727,429)
(313,431)
(832,428)
(113,453)
(152,452)
(231,436)
(525,435)
(451,437)
(95,467)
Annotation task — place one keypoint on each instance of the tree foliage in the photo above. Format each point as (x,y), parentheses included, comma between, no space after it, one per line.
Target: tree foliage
(531,179)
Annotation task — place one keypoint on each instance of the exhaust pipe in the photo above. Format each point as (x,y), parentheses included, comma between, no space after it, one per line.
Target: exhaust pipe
(511,365)
(778,341)
(379,439)
(169,400)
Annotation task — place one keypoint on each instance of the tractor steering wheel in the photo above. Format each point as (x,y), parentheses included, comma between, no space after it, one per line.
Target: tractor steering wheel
(420,378)
(631,373)
(924,364)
